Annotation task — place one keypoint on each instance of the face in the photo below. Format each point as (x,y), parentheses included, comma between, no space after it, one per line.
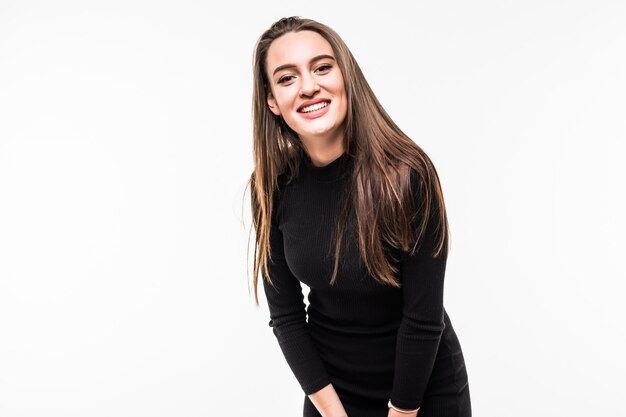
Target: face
(302,70)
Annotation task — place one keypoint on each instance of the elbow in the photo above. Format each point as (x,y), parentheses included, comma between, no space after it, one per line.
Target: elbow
(285,324)
(417,328)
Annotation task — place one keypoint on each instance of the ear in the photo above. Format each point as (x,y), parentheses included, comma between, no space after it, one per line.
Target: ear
(271,101)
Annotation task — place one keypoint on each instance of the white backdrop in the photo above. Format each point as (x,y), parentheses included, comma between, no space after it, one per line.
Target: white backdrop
(125,147)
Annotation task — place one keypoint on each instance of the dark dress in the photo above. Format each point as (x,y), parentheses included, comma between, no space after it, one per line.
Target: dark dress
(373,342)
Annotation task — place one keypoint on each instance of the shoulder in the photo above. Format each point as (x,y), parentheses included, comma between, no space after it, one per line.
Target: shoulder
(425,193)
(423,176)
(284,182)
(283,179)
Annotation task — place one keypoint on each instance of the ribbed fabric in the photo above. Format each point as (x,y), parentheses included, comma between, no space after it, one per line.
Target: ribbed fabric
(373,342)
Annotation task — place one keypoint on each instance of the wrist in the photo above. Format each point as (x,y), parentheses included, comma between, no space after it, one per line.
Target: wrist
(405,412)
(333,410)
(327,402)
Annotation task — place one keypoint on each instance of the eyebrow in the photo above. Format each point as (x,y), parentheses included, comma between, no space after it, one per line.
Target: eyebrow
(285,66)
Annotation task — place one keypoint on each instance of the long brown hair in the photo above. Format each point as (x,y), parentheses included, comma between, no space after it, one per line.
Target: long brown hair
(390,170)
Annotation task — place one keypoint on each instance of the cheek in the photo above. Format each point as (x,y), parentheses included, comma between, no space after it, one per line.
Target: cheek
(339,89)
(285,99)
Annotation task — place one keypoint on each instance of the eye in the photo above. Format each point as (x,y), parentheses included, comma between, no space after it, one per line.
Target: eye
(287,78)
(284,79)
(325,66)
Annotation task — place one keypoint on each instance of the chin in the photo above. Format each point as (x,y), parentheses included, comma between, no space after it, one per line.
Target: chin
(321,131)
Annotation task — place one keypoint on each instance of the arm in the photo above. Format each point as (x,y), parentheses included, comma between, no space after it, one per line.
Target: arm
(288,320)
(328,403)
(423,320)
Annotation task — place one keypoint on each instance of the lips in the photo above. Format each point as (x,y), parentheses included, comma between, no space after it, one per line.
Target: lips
(311,102)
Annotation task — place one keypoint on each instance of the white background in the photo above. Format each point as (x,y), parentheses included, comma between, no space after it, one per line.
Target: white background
(125,147)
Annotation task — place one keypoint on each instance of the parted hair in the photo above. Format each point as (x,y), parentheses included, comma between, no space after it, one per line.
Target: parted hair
(394,190)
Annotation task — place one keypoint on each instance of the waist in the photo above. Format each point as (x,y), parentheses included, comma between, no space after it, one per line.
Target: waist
(321,321)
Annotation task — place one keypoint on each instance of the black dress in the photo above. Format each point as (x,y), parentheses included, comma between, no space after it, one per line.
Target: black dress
(373,342)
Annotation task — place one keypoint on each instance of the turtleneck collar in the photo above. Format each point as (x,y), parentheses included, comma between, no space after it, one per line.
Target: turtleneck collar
(334,170)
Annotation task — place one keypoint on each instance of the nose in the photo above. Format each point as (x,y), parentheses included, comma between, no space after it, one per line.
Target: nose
(309,86)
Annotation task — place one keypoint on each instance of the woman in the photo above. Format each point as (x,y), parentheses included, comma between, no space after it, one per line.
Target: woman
(344,202)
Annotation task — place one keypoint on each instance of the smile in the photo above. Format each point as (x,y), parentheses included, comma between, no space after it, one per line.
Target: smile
(314,107)
(315,111)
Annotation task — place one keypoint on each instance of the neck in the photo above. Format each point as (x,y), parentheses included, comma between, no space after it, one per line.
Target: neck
(321,155)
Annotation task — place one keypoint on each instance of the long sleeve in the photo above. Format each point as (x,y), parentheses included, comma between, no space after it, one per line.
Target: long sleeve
(288,319)
(422,322)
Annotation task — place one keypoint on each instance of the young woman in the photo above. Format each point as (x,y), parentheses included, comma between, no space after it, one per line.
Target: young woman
(344,202)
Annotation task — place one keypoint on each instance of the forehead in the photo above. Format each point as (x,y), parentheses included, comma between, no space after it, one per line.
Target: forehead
(296,48)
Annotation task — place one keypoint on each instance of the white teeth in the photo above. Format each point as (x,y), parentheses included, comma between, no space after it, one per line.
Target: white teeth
(314,107)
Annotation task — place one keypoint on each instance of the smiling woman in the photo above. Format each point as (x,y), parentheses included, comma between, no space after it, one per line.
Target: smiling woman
(318,121)
(347,204)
